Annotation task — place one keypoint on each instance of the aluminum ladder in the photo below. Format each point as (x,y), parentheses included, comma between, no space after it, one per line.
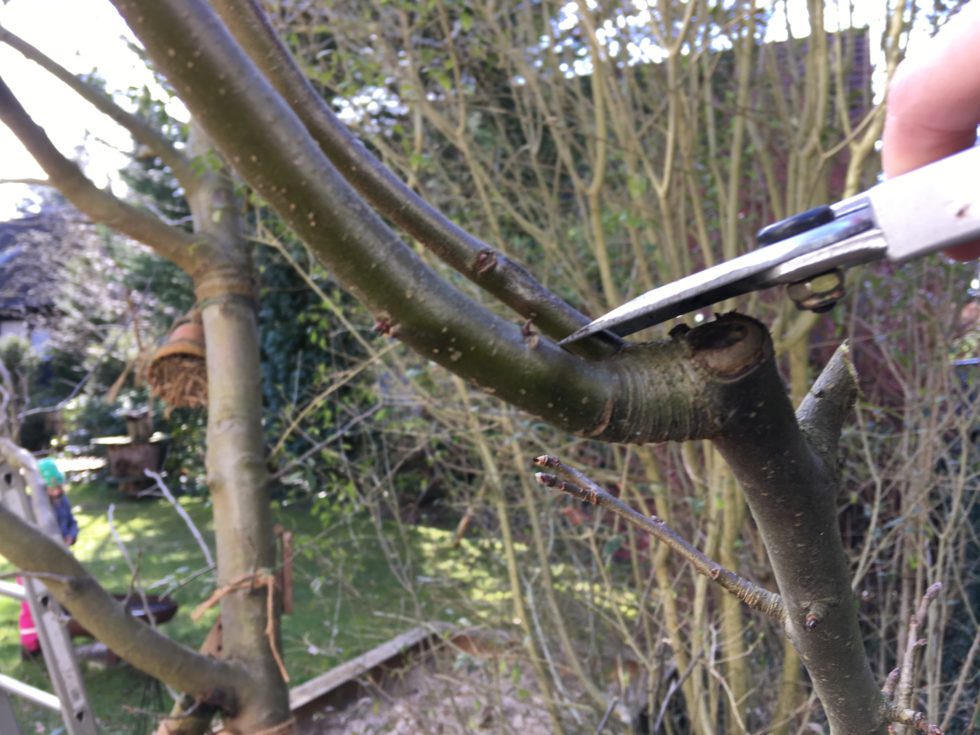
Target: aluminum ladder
(69,696)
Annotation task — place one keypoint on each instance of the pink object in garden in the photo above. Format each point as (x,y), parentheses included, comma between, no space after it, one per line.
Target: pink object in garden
(28,633)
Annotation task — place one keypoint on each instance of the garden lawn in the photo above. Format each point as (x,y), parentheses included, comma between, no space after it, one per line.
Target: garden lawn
(357,584)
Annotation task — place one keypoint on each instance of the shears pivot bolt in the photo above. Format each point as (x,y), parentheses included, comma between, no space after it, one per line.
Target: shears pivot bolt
(819,293)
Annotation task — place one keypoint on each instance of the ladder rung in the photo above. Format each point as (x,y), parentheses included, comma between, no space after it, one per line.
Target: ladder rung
(12,589)
(31,694)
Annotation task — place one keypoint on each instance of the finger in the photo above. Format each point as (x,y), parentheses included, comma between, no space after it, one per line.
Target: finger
(934,99)
(934,103)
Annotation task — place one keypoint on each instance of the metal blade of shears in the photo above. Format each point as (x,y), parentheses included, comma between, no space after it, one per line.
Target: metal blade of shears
(929,209)
(750,272)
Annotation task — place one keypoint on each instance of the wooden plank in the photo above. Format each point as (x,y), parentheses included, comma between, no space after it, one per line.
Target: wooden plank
(351,670)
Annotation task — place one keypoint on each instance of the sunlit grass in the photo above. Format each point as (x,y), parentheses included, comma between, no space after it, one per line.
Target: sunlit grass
(359,581)
(354,589)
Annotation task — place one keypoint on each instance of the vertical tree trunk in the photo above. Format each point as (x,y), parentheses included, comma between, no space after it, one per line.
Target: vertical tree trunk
(236,469)
(237,480)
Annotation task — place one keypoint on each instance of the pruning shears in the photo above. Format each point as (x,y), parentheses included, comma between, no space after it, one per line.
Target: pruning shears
(921,212)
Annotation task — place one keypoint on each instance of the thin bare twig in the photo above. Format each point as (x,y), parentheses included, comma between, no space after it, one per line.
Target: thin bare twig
(961,681)
(321,444)
(183,248)
(890,683)
(914,719)
(27,182)
(583,488)
(605,717)
(899,710)
(165,491)
(671,691)
(133,568)
(903,697)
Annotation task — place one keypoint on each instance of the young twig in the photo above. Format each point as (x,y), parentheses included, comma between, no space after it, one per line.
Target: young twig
(890,683)
(961,682)
(899,710)
(133,568)
(911,718)
(578,485)
(165,491)
(605,717)
(903,697)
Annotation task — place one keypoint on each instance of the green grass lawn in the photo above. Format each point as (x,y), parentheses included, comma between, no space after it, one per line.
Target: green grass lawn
(354,588)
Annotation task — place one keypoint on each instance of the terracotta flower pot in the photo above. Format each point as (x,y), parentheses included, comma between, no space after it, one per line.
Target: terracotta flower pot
(177,371)
(187,338)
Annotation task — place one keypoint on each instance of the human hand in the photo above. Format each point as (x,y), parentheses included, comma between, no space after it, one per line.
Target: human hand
(933,104)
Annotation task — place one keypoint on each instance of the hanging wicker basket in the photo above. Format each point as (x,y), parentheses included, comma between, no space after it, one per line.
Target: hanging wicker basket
(177,371)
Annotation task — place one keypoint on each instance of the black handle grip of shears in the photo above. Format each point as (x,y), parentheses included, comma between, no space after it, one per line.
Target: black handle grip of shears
(778,231)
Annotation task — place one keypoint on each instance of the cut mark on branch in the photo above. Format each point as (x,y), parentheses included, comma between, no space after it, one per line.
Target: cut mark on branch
(486,261)
(531,338)
(816,615)
(730,346)
(386,327)
(604,418)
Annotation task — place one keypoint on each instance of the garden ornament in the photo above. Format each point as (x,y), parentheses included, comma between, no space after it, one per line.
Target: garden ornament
(921,212)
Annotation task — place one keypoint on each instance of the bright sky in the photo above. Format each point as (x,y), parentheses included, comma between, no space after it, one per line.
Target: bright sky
(83,35)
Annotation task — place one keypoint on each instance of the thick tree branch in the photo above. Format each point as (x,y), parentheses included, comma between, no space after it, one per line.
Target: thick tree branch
(141,131)
(654,392)
(486,266)
(585,489)
(717,381)
(101,206)
(792,492)
(206,678)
